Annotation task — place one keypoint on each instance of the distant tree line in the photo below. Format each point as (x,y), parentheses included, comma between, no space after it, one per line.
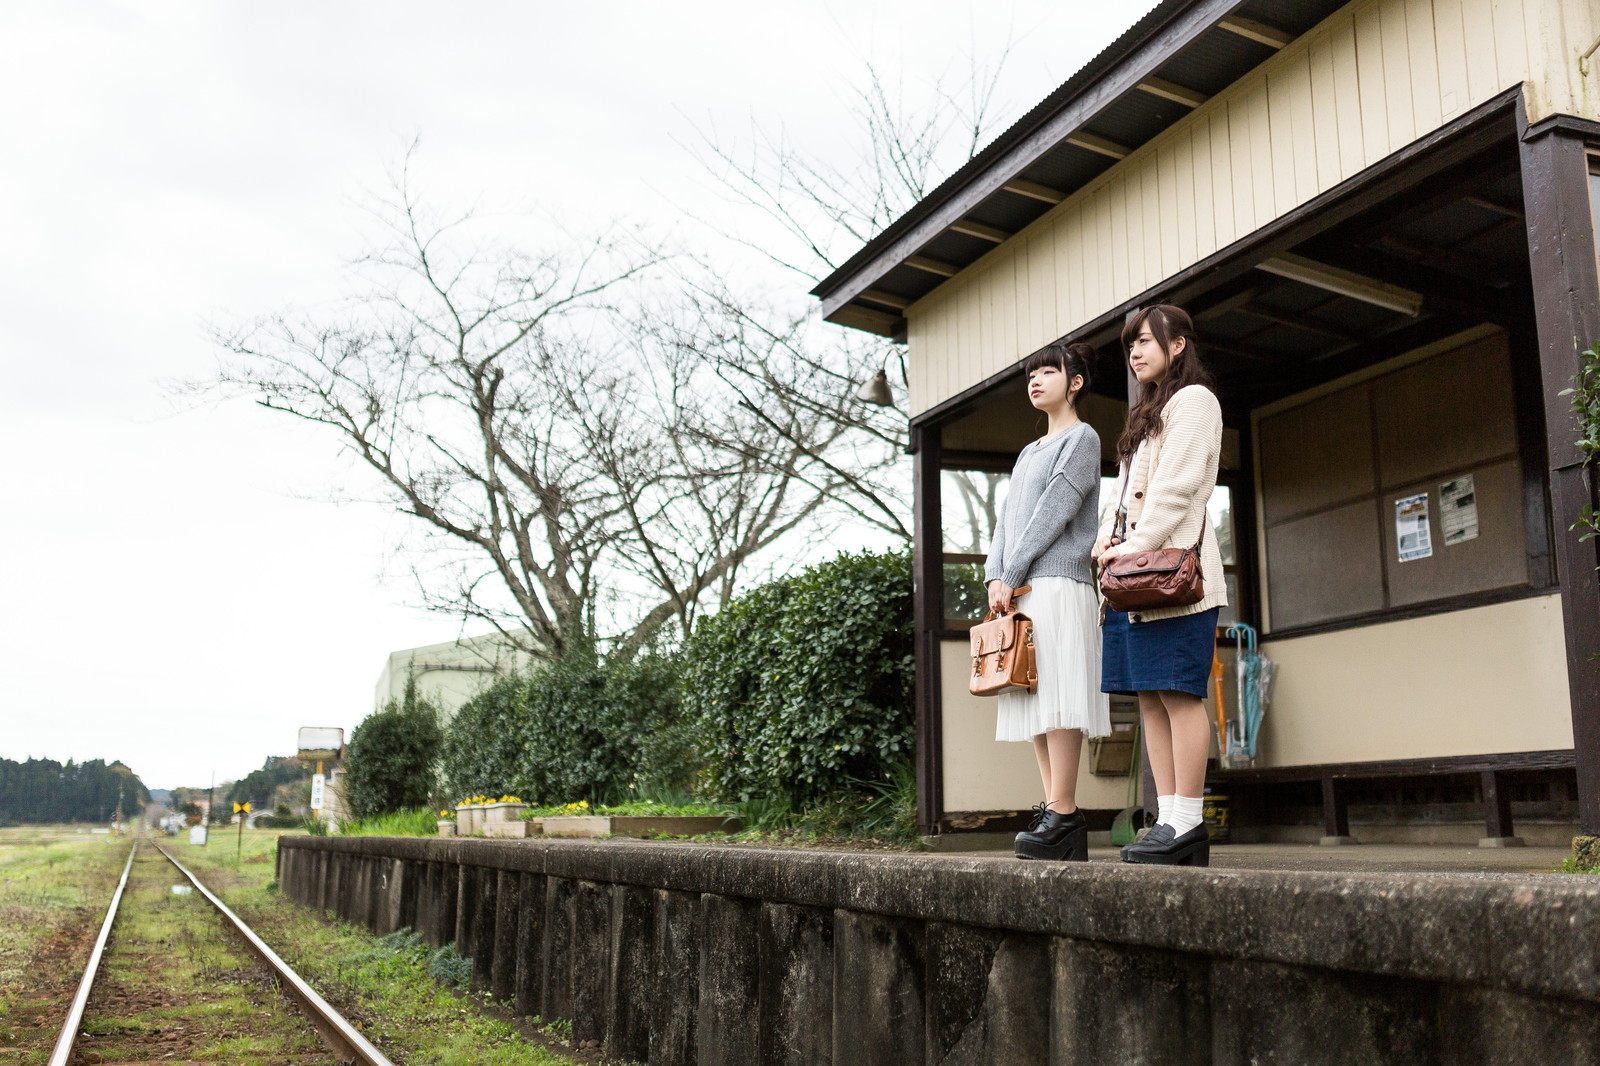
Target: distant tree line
(43,790)
(280,780)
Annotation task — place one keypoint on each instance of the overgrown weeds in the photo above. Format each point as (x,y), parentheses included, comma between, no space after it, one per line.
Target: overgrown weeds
(411,822)
(882,811)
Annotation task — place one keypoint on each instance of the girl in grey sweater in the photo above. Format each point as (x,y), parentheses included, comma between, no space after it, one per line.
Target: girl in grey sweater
(1042,539)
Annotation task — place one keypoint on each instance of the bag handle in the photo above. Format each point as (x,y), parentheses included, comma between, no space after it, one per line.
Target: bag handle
(1016,592)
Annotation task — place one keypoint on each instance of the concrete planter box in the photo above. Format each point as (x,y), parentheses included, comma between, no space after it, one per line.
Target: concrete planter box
(521,829)
(447,827)
(595,825)
(472,820)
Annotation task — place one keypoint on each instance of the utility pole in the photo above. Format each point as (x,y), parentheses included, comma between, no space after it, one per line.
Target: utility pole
(211,816)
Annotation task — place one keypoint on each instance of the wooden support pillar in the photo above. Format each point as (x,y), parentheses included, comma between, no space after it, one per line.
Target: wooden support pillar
(1566,295)
(1335,813)
(927,564)
(1496,809)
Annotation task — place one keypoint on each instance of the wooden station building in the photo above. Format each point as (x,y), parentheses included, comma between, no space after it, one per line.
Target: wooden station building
(1382,216)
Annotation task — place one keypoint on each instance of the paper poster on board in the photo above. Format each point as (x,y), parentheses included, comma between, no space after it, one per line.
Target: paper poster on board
(1412,533)
(1458,509)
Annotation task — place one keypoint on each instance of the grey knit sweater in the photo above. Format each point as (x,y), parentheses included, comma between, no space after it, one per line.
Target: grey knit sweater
(1047,525)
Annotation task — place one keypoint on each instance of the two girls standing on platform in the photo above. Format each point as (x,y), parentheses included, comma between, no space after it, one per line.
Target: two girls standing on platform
(1042,540)
(1169,453)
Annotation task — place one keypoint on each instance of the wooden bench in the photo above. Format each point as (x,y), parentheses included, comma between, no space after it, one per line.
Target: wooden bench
(1492,771)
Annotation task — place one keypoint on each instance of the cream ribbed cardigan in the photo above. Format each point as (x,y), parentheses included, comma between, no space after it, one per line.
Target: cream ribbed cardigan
(1173,476)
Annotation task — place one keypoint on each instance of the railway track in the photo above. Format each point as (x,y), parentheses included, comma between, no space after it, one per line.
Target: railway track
(343,1040)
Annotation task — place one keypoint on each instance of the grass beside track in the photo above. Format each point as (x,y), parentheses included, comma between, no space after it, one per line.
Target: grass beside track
(55,883)
(385,987)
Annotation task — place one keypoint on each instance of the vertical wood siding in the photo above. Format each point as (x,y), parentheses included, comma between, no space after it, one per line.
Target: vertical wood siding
(1369,80)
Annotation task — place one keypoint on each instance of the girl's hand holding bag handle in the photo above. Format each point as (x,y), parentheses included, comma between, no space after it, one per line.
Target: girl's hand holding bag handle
(1002,652)
(1141,581)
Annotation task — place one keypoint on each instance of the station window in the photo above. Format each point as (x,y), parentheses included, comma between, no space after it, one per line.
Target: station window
(971,501)
(1594,198)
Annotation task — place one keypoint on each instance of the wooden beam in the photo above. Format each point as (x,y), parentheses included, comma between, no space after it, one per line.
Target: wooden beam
(887,299)
(932,266)
(1300,323)
(979,230)
(1451,262)
(858,316)
(1499,209)
(1344,282)
(1168,90)
(1231,303)
(1258,32)
(1566,304)
(1092,143)
(1034,191)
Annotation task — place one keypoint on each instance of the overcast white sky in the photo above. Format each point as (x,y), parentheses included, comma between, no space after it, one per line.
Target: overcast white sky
(175,589)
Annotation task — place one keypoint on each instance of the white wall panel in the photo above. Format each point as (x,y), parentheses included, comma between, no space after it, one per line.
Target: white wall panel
(1366,82)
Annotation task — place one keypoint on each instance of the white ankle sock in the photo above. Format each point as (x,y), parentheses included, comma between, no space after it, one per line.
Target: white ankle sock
(1186,813)
(1164,809)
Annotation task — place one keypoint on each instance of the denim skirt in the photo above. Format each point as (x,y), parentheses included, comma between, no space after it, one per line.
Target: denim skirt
(1166,655)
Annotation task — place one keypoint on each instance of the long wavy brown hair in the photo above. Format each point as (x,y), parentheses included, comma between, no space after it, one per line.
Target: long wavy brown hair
(1167,323)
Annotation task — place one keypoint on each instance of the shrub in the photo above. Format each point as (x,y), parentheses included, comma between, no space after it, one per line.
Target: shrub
(805,683)
(483,744)
(389,762)
(579,728)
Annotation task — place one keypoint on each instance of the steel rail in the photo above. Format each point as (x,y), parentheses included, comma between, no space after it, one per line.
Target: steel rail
(342,1038)
(69,1029)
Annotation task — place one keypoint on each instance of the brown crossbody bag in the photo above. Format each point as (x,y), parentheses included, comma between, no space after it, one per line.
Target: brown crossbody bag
(1142,581)
(1002,652)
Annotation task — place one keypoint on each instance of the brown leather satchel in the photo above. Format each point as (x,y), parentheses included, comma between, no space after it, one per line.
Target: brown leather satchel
(1166,577)
(1002,652)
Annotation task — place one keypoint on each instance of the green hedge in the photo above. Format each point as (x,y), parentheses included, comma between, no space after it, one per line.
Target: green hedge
(389,762)
(581,728)
(805,683)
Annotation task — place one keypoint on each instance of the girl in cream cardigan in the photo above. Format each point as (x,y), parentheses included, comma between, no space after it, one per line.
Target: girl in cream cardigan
(1169,453)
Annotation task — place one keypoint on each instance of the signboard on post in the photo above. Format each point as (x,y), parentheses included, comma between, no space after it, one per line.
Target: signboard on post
(321,742)
(317,781)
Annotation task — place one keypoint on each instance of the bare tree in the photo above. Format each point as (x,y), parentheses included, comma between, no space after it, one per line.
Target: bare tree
(825,210)
(579,480)
(902,145)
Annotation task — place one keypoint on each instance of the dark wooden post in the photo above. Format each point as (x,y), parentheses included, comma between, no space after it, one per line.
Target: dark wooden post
(1335,811)
(1496,806)
(927,563)
(1566,296)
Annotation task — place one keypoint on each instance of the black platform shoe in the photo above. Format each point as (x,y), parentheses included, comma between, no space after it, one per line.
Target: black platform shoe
(1056,836)
(1188,849)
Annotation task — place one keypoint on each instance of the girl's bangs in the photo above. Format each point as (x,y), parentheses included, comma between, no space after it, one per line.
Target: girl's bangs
(1050,355)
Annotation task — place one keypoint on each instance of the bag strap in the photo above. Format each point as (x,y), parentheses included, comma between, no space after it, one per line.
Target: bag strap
(1119,525)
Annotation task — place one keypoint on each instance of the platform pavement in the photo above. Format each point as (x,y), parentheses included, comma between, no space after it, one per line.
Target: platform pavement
(1360,858)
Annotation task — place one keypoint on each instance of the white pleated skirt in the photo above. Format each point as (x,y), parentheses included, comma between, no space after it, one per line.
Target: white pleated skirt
(1066,644)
